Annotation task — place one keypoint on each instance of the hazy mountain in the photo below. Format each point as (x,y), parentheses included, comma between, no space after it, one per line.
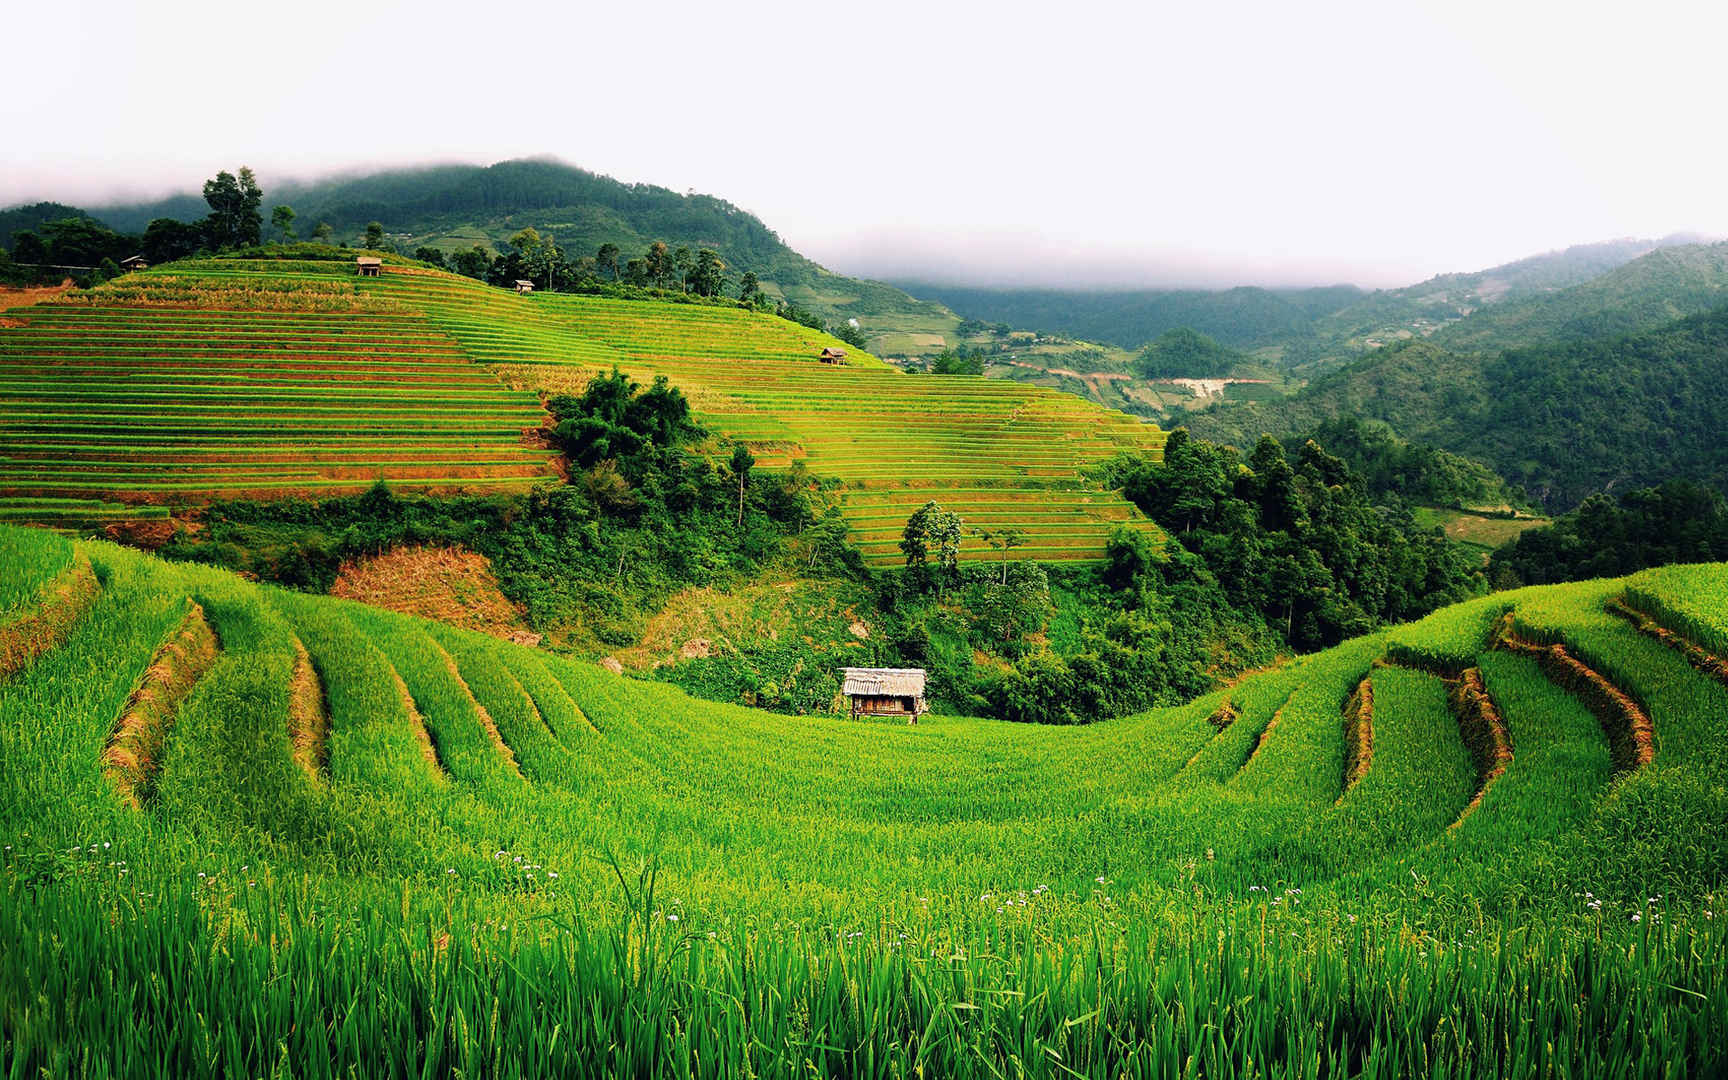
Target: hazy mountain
(457,206)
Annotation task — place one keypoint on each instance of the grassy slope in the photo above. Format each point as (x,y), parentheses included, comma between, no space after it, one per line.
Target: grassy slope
(965,895)
(322,382)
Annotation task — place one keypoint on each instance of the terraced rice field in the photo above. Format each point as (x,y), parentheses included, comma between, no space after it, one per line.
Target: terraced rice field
(108,409)
(243,377)
(1491,843)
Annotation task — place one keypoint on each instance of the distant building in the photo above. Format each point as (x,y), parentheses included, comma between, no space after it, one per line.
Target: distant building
(832,355)
(524,286)
(886,692)
(368,266)
(134,262)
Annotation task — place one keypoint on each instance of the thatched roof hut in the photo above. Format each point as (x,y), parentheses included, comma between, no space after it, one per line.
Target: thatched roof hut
(368,265)
(832,355)
(885,692)
(524,286)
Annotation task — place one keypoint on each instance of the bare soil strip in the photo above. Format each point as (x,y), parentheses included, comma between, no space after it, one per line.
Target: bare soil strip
(1484,732)
(140,736)
(1631,736)
(1222,717)
(428,748)
(308,716)
(1265,733)
(1713,666)
(1358,733)
(64,602)
(486,720)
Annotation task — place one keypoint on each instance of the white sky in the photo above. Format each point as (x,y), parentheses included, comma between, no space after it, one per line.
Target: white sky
(1053,142)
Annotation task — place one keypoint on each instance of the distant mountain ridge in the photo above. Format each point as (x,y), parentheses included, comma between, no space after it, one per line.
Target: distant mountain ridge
(1302,326)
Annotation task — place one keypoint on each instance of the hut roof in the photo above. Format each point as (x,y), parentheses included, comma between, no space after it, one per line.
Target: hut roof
(524,281)
(368,260)
(130,259)
(831,351)
(884,682)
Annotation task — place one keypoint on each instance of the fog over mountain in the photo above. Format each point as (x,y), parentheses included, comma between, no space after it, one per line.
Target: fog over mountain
(1101,144)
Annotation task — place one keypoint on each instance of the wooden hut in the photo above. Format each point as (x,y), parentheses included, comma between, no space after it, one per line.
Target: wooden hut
(832,355)
(368,266)
(885,692)
(523,286)
(134,262)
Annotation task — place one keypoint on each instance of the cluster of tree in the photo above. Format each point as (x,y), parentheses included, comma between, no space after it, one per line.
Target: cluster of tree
(1416,474)
(1301,544)
(1674,522)
(535,256)
(92,251)
(1181,353)
(960,360)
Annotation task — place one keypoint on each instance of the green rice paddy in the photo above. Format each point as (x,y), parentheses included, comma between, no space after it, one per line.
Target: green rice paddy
(379,846)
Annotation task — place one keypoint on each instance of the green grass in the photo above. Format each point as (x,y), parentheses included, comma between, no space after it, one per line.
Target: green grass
(666,886)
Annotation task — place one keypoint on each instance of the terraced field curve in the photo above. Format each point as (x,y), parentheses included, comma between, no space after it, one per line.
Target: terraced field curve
(231,377)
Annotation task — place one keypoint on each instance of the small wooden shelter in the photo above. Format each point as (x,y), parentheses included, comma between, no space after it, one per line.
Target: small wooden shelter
(368,266)
(134,262)
(523,286)
(885,692)
(832,355)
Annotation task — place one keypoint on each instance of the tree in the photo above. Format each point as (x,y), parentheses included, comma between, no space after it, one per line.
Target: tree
(658,263)
(374,236)
(708,276)
(429,255)
(282,220)
(472,263)
(606,260)
(749,288)
(933,529)
(742,460)
(166,239)
(323,232)
(1003,541)
(950,362)
(234,219)
(682,263)
(28,248)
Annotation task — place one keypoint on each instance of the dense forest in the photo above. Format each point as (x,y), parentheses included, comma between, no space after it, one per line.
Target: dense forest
(1561,421)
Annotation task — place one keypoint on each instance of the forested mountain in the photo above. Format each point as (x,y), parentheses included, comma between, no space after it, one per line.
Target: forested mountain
(1563,420)
(31,219)
(1336,322)
(1656,288)
(454,207)
(1243,317)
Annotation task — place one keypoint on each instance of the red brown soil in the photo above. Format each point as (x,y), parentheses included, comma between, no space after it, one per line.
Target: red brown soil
(1631,736)
(1223,716)
(1711,665)
(1484,733)
(451,585)
(1358,734)
(64,601)
(17,298)
(135,748)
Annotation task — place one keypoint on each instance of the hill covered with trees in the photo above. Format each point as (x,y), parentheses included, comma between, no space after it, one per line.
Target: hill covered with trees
(452,208)
(1561,420)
